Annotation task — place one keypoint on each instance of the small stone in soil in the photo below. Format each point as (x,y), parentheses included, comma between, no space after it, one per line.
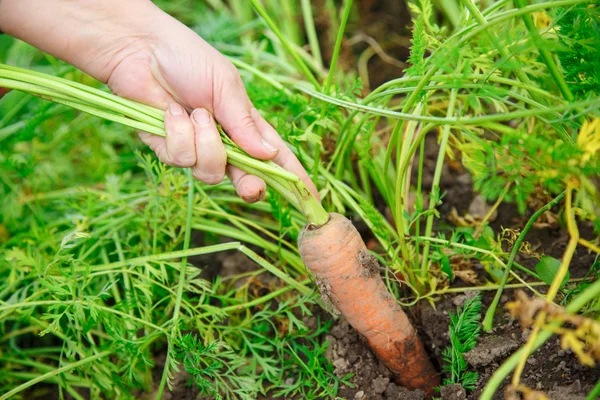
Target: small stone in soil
(479,208)
(566,393)
(460,300)
(380,384)
(453,392)
(491,349)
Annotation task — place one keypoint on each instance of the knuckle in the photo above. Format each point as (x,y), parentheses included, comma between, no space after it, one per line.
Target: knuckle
(244,127)
(182,160)
(181,128)
(210,178)
(231,75)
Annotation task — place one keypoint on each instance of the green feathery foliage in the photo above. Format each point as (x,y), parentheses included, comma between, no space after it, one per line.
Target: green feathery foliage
(579,33)
(464,330)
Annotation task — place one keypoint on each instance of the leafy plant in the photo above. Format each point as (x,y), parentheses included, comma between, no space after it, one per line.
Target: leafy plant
(578,30)
(464,331)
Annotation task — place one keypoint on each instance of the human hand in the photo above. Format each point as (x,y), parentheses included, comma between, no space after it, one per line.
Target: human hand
(146,55)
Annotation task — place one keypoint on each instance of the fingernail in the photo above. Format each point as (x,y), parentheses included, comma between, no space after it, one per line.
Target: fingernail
(268,146)
(175,109)
(201,116)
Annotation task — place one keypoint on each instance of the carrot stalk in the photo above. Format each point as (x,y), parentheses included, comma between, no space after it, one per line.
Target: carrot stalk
(329,244)
(348,277)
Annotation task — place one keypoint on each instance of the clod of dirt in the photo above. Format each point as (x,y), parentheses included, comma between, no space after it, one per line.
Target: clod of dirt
(395,392)
(380,384)
(459,300)
(453,392)
(369,264)
(571,392)
(490,349)
(479,208)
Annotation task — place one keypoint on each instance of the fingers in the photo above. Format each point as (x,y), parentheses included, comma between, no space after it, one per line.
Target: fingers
(232,110)
(285,158)
(179,149)
(249,187)
(211,158)
(190,142)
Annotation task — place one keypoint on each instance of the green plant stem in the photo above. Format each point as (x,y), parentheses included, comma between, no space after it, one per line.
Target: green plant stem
(489,315)
(435,194)
(403,157)
(546,56)
(285,42)
(311,32)
(126,282)
(329,80)
(53,373)
(420,182)
(590,104)
(338,45)
(590,293)
(557,280)
(406,107)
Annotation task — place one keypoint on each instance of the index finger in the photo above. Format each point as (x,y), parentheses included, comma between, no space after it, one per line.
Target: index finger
(285,158)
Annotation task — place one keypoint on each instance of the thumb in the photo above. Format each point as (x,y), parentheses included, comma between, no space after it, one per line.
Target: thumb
(231,107)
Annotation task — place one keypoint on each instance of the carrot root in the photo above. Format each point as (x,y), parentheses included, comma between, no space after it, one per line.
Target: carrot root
(337,256)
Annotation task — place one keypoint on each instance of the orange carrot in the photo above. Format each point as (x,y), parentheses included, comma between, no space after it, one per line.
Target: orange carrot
(348,276)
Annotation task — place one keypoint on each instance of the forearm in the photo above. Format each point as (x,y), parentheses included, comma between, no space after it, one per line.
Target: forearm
(93,35)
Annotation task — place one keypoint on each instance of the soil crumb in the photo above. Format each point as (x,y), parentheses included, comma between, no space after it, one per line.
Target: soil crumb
(369,264)
(400,393)
(453,392)
(571,392)
(491,349)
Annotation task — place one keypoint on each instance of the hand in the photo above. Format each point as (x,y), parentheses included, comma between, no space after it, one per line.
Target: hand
(146,55)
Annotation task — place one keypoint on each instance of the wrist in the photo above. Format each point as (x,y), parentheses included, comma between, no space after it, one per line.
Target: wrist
(93,35)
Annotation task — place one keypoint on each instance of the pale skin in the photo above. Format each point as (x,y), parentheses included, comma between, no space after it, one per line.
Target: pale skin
(146,55)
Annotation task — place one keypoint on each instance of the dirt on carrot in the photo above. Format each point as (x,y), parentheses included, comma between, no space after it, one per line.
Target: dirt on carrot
(369,264)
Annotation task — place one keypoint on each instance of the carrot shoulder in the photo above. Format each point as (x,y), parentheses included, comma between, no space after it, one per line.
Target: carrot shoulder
(349,277)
